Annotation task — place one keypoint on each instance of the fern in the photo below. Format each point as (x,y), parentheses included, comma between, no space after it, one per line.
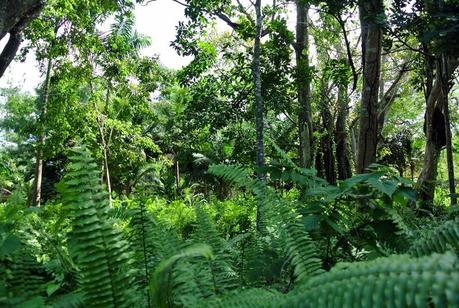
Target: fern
(69,300)
(218,273)
(397,281)
(241,177)
(162,282)
(142,242)
(302,252)
(442,238)
(152,243)
(243,298)
(97,246)
(25,281)
(300,248)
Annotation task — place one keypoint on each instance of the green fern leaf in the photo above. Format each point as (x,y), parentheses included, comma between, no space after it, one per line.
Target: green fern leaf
(442,238)
(245,298)
(162,284)
(397,281)
(96,245)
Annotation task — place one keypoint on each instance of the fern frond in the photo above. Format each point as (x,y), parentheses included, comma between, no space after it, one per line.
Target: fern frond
(218,274)
(142,242)
(69,300)
(397,281)
(25,281)
(254,262)
(300,248)
(97,246)
(248,298)
(302,252)
(442,238)
(162,282)
(241,177)
(231,173)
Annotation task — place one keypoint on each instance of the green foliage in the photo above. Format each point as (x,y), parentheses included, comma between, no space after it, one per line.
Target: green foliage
(190,225)
(97,246)
(161,284)
(219,270)
(244,298)
(25,280)
(398,281)
(241,177)
(443,238)
(301,252)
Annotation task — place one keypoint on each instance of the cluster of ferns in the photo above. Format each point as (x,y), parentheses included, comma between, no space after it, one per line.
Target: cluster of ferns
(138,262)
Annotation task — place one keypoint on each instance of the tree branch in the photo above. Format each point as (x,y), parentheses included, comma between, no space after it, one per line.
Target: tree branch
(9,51)
(15,30)
(355,77)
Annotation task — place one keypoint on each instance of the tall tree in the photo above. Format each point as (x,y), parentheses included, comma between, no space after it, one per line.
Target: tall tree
(303,79)
(449,149)
(371,12)
(435,26)
(434,128)
(41,136)
(259,108)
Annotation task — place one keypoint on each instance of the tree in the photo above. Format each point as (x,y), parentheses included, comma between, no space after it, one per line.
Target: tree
(15,15)
(303,79)
(433,25)
(371,14)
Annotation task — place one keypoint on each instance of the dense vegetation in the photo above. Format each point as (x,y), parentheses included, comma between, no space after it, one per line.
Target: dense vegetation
(303,158)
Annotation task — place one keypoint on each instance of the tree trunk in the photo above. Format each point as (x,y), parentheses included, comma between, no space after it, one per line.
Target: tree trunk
(387,98)
(326,139)
(41,138)
(177,177)
(107,170)
(449,151)
(303,81)
(434,128)
(14,17)
(354,143)
(371,61)
(259,108)
(105,149)
(341,136)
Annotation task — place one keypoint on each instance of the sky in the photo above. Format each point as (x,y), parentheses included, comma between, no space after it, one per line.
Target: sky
(156,20)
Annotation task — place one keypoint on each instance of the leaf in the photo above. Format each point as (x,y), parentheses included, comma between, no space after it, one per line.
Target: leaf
(386,187)
(333,225)
(160,285)
(51,288)
(35,302)
(10,244)
(312,222)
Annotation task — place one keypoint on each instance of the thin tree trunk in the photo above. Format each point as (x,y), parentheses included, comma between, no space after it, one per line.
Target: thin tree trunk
(354,142)
(371,60)
(303,80)
(100,125)
(326,139)
(107,170)
(41,137)
(387,98)
(449,150)
(105,165)
(177,177)
(259,108)
(341,135)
